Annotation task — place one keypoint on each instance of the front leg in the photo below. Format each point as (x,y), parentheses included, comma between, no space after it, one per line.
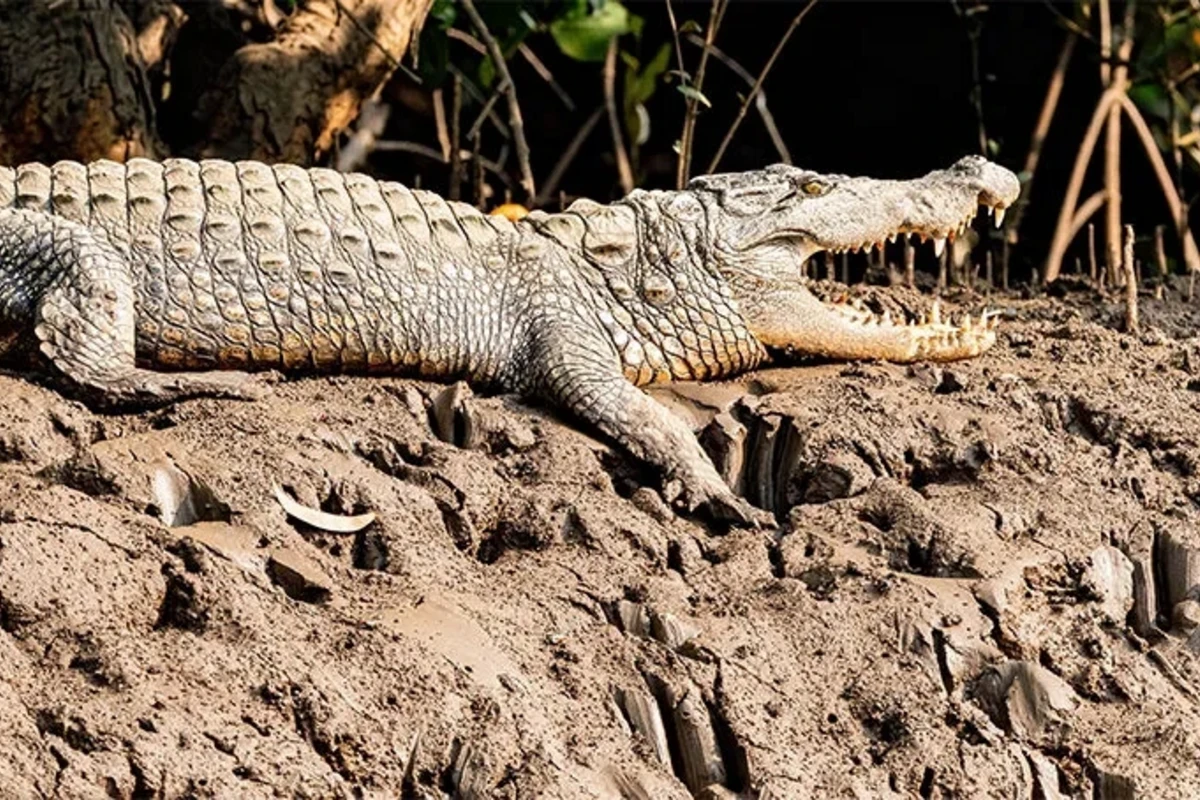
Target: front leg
(76,291)
(588,382)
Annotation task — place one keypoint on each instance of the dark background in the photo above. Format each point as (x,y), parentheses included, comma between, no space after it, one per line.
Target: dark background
(875,88)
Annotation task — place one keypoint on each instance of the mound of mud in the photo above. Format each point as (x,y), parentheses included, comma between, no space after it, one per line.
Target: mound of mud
(986,583)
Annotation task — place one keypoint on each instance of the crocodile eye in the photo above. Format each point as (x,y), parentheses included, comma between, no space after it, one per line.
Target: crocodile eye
(814,188)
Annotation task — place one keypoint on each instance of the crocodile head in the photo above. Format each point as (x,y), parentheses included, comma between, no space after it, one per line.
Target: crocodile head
(764,224)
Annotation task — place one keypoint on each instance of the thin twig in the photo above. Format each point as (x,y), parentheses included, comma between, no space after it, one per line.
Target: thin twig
(471,89)
(910,264)
(439,121)
(760,102)
(1085,211)
(530,57)
(456,140)
(974,28)
(624,172)
(1160,260)
(476,145)
(568,156)
(416,148)
(514,108)
(762,76)
(467,39)
(1131,285)
(1115,77)
(1070,24)
(486,111)
(545,74)
(675,33)
(1092,273)
(693,103)
(1049,106)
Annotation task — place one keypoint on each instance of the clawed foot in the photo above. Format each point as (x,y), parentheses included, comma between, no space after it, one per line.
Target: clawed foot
(143,388)
(718,503)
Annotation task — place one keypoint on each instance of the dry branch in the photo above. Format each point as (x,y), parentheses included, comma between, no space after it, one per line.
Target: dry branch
(624,172)
(1092,273)
(1085,212)
(762,76)
(514,108)
(760,102)
(1160,260)
(1131,284)
(1118,78)
(455,188)
(686,140)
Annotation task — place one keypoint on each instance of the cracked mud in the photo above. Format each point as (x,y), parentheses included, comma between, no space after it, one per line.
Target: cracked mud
(986,583)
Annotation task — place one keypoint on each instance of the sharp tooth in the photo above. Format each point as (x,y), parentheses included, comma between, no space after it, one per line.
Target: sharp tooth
(939,245)
(999,217)
(989,210)
(886,319)
(891,238)
(935,313)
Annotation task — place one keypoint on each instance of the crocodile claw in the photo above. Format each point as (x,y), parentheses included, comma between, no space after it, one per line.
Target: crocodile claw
(715,500)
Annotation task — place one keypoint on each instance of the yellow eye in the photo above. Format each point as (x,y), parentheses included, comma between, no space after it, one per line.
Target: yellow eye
(813,188)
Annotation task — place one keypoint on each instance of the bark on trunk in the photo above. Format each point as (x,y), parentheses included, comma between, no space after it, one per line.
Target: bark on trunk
(287,100)
(74,83)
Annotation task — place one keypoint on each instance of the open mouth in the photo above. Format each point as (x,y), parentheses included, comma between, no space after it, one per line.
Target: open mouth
(938,235)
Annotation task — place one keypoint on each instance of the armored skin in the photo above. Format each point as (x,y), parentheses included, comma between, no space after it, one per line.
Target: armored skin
(151,282)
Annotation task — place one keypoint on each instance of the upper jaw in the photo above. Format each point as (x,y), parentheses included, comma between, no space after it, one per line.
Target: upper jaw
(939,231)
(939,206)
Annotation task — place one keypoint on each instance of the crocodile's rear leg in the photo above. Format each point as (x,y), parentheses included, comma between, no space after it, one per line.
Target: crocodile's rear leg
(792,318)
(589,383)
(76,291)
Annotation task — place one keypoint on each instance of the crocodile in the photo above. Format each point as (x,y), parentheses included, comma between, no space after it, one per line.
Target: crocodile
(151,282)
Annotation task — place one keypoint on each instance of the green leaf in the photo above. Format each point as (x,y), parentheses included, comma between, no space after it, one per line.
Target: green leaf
(443,12)
(692,93)
(487,72)
(1152,99)
(586,38)
(640,85)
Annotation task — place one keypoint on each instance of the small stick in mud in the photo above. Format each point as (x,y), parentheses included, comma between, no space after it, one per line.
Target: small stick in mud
(910,264)
(1092,252)
(1160,258)
(1131,287)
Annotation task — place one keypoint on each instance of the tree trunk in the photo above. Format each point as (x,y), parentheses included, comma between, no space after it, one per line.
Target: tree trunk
(287,100)
(74,83)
